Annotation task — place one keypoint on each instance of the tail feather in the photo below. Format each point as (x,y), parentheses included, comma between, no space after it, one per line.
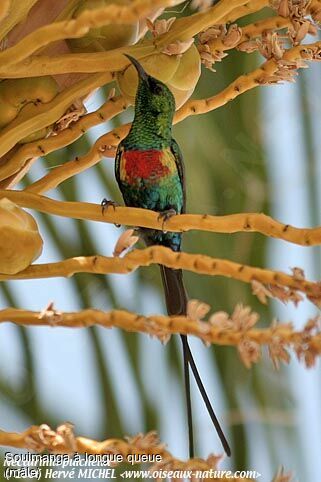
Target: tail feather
(175,293)
(188,396)
(176,303)
(207,402)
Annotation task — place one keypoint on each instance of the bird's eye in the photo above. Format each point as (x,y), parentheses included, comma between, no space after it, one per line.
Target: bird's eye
(156,88)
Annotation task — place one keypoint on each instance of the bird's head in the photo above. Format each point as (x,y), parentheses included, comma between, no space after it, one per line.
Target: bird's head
(152,95)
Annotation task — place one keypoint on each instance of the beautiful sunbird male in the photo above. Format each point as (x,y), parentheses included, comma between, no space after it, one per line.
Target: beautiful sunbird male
(150,173)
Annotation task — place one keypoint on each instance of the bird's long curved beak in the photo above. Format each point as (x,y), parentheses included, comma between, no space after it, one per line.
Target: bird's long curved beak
(141,72)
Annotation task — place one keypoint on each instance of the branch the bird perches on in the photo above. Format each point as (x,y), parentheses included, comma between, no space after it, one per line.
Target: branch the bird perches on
(231,223)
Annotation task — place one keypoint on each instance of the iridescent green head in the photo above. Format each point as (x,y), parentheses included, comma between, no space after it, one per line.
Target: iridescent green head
(154,103)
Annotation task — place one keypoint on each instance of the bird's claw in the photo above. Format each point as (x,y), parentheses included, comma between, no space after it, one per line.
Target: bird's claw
(166,215)
(105,203)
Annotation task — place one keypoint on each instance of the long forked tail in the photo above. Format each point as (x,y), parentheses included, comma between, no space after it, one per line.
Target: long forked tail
(176,303)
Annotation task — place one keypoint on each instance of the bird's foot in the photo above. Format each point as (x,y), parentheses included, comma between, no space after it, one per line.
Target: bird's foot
(105,203)
(166,215)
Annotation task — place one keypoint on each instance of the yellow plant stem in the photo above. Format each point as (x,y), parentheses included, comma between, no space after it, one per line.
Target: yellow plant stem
(63,138)
(63,441)
(160,326)
(105,146)
(187,27)
(113,60)
(233,223)
(4,9)
(251,31)
(47,114)
(244,83)
(47,439)
(18,10)
(75,28)
(196,263)
(59,174)
(255,29)
(68,10)
(239,12)
(110,61)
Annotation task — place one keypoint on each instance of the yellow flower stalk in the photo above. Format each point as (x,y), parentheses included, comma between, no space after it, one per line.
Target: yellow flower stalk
(196,263)
(131,449)
(43,115)
(11,13)
(220,329)
(62,138)
(233,223)
(107,36)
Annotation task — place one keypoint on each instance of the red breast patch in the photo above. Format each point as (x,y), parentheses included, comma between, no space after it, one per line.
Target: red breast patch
(144,164)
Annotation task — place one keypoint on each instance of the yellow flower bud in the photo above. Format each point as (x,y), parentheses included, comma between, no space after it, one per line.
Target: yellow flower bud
(106,37)
(20,241)
(17,93)
(179,72)
(18,96)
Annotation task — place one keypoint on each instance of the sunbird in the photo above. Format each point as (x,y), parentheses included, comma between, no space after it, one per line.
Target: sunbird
(149,170)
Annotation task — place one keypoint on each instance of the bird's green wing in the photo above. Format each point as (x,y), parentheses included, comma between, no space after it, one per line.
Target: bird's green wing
(180,168)
(118,156)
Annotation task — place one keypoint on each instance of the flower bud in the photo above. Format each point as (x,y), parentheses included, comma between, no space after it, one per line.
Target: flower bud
(179,72)
(20,241)
(15,94)
(106,37)
(17,98)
